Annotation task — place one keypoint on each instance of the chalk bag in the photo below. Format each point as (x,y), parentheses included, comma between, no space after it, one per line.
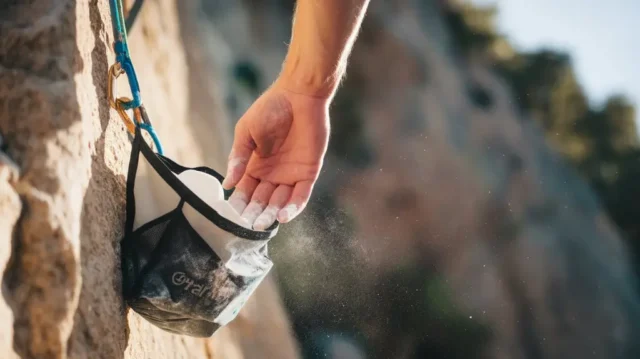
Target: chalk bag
(188,265)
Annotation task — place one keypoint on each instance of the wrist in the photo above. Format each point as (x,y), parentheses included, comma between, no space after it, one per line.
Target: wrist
(315,78)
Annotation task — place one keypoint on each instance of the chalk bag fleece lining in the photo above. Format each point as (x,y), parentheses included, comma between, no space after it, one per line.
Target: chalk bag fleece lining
(177,252)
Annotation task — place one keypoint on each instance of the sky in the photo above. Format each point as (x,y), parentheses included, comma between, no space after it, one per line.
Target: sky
(602,37)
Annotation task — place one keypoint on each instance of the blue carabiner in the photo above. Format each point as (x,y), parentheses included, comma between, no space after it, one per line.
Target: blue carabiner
(128,69)
(121,49)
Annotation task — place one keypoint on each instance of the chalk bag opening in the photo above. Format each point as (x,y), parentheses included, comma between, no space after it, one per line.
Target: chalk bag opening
(187,268)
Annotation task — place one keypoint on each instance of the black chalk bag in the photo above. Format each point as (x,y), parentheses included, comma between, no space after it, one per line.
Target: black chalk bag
(187,268)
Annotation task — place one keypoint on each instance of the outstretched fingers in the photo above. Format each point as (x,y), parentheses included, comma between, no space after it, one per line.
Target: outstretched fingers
(298,201)
(285,204)
(259,201)
(243,193)
(278,199)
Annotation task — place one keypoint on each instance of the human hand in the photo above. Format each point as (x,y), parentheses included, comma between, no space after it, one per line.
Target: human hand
(278,151)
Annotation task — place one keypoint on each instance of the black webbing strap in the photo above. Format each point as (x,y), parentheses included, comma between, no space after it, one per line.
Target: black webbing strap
(133,13)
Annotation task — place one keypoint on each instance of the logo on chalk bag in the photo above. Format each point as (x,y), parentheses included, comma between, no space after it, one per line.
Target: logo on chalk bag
(188,284)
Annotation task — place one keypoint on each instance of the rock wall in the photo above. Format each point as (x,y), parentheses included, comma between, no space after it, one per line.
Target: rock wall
(62,216)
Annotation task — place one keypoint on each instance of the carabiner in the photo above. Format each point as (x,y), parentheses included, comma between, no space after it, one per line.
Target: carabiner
(127,66)
(115,71)
(131,127)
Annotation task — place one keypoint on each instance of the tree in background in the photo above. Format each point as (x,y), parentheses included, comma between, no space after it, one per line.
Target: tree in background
(601,143)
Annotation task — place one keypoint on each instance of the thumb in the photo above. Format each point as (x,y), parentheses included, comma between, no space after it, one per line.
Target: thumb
(243,146)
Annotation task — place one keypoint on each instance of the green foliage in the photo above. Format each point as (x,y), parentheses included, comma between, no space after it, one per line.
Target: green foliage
(602,143)
(472,27)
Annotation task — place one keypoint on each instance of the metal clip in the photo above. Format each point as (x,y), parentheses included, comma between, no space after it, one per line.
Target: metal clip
(115,71)
(127,66)
(131,127)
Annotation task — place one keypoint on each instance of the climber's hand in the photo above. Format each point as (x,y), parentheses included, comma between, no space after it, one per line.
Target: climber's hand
(277,153)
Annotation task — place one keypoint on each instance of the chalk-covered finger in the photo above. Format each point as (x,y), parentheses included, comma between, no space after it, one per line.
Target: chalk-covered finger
(297,202)
(259,201)
(243,192)
(243,147)
(278,199)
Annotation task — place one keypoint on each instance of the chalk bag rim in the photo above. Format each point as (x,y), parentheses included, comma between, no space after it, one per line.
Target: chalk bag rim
(165,168)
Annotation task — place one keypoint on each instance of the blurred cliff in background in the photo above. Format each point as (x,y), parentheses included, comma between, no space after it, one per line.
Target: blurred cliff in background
(465,207)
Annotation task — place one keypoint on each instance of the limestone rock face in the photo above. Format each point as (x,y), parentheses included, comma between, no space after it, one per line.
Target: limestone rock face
(10,208)
(63,214)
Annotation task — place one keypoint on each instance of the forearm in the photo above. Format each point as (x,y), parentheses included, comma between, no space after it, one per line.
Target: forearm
(322,37)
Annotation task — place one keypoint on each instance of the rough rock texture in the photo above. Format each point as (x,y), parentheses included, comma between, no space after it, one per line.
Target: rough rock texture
(10,208)
(63,280)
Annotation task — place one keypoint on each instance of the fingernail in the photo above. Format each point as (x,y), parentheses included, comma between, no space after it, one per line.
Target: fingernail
(226,183)
(266,219)
(287,213)
(238,201)
(252,211)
